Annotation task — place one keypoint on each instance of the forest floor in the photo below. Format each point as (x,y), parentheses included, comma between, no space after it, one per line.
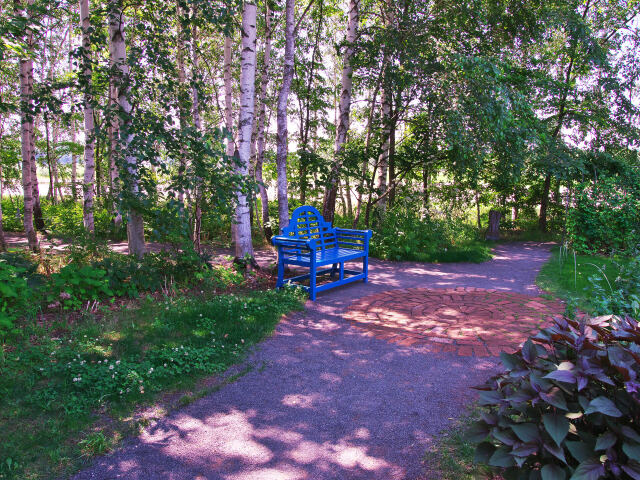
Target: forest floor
(343,391)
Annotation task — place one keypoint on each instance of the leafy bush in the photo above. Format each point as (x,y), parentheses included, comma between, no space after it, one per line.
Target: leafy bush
(568,404)
(606,217)
(619,295)
(14,296)
(12,208)
(404,235)
(75,284)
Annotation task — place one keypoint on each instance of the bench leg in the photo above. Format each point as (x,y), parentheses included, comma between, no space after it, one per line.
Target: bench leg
(280,280)
(341,271)
(312,283)
(365,268)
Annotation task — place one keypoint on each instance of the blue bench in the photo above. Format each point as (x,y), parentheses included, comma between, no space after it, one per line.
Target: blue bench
(311,242)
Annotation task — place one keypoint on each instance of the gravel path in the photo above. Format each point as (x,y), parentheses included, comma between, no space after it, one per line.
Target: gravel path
(326,401)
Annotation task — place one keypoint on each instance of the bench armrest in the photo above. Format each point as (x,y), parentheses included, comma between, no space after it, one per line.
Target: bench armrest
(349,232)
(293,242)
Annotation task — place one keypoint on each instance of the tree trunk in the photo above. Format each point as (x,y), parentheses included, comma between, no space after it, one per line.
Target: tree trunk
(392,161)
(383,159)
(544,203)
(197,123)
(26,120)
(479,222)
(283,98)
(182,80)
(38,220)
(244,248)
(329,203)
(3,242)
(118,52)
(89,142)
(264,82)
(74,157)
(493,233)
(228,111)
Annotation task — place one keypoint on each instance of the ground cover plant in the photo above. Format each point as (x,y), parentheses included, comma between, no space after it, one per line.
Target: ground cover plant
(593,283)
(567,405)
(68,386)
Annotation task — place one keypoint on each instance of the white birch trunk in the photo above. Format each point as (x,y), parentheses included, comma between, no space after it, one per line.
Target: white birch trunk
(89,142)
(264,83)
(344,111)
(74,157)
(283,98)
(244,247)
(26,120)
(118,52)
(182,80)
(197,122)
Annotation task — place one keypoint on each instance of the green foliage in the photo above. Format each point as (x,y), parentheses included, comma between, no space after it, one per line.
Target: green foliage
(76,284)
(606,217)
(619,294)
(15,295)
(404,235)
(567,405)
(55,381)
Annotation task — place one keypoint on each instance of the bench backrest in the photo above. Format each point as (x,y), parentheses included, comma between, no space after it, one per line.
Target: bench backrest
(307,222)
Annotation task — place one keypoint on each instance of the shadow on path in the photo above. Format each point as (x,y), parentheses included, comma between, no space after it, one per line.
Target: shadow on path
(327,402)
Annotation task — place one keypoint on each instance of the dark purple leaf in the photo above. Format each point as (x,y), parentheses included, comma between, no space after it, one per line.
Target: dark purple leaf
(603,405)
(590,469)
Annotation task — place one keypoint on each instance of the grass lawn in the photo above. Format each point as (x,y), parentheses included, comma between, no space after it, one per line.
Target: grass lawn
(73,386)
(451,456)
(567,277)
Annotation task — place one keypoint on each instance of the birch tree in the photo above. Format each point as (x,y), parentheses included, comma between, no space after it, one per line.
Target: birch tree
(26,128)
(120,77)
(89,142)
(264,83)
(283,98)
(344,111)
(244,247)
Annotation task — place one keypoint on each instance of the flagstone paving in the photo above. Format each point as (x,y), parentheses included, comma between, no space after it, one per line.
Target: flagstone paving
(467,321)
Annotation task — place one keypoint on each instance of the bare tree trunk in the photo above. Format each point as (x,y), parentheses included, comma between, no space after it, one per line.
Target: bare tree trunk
(197,123)
(74,157)
(264,82)
(283,98)
(182,80)
(26,113)
(365,162)
(244,247)
(3,242)
(228,110)
(383,159)
(89,142)
(118,52)
(329,203)
(38,220)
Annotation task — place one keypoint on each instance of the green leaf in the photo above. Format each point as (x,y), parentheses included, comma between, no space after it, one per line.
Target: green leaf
(632,469)
(490,398)
(630,433)
(631,450)
(581,451)
(477,432)
(510,360)
(590,469)
(502,458)
(556,451)
(484,451)
(527,432)
(606,440)
(555,397)
(603,405)
(553,472)
(557,426)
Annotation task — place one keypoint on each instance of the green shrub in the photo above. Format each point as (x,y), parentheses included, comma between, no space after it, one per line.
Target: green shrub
(404,235)
(75,284)
(12,208)
(568,404)
(15,296)
(619,295)
(606,217)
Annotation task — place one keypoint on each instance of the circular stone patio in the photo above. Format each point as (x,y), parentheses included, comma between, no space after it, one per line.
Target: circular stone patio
(465,320)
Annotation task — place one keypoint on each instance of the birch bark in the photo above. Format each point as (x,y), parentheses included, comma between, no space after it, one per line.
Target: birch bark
(344,109)
(244,247)
(118,53)
(264,83)
(26,120)
(283,98)
(89,142)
